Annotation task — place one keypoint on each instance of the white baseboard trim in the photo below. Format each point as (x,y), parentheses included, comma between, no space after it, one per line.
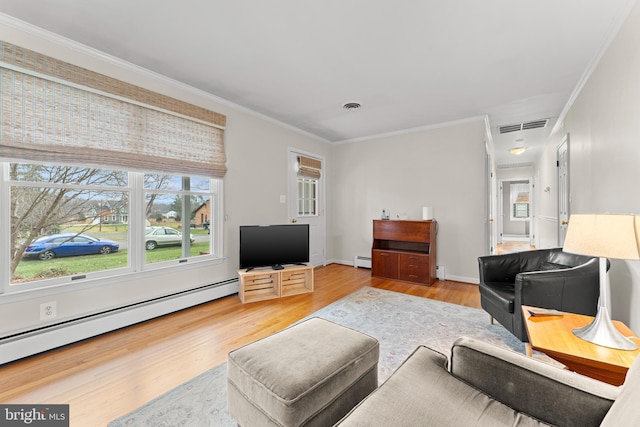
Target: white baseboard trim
(473,280)
(30,343)
(515,238)
(454,278)
(340,261)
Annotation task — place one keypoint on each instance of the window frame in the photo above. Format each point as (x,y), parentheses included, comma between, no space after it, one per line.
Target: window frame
(305,183)
(517,206)
(137,267)
(513,196)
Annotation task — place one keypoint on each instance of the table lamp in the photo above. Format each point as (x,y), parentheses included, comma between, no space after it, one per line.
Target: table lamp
(604,236)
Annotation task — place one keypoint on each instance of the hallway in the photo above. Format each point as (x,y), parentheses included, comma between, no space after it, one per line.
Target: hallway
(509,247)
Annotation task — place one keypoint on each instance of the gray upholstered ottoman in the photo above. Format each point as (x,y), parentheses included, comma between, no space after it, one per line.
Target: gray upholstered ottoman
(311,374)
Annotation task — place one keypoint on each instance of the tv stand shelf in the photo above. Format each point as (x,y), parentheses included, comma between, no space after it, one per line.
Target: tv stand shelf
(266,283)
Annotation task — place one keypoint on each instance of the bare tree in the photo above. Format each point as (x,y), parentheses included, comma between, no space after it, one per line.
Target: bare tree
(45,197)
(154,182)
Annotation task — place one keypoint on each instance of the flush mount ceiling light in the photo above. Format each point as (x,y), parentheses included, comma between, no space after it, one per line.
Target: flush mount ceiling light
(517,150)
(351,106)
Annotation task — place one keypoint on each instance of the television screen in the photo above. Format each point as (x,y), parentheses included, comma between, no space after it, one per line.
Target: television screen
(273,245)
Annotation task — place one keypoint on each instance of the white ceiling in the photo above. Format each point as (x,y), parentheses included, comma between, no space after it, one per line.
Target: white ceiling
(410,63)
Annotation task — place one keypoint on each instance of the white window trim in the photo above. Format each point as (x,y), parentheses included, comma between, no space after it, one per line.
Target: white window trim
(137,266)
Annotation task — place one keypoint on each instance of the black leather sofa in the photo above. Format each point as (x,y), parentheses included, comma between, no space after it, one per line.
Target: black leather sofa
(547,278)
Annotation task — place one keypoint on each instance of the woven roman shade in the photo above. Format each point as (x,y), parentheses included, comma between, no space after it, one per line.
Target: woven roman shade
(52,111)
(309,167)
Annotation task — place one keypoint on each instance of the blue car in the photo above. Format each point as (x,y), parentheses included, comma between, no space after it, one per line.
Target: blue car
(69,244)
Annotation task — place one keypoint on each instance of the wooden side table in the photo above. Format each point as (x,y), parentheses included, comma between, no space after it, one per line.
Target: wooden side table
(553,335)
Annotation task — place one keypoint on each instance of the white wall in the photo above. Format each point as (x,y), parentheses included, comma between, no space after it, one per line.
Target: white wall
(604,128)
(546,208)
(442,167)
(257,155)
(515,173)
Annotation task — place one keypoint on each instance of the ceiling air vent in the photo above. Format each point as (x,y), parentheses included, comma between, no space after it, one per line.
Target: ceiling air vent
(510,128)
(515,165)
(536,124)
(351,106)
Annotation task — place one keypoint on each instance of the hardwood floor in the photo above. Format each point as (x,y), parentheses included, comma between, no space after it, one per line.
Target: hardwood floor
(108,376)
(507,247)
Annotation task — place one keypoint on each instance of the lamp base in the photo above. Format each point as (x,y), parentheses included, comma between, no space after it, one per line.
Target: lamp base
(602,332)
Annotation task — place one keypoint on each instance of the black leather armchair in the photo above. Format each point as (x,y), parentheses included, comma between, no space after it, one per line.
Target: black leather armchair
(547,278)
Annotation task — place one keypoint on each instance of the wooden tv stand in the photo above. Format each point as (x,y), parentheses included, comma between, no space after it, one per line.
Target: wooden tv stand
(404,250)
(265,283)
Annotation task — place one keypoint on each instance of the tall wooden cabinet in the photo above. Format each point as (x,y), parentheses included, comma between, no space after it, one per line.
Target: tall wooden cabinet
(404,250)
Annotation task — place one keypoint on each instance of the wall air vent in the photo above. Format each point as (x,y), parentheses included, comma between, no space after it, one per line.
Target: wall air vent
(535,124)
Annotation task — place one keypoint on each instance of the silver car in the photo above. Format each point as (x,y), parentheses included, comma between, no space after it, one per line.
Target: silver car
(163,236)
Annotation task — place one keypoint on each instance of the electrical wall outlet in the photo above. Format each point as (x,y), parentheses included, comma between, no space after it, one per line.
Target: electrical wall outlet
(48,310)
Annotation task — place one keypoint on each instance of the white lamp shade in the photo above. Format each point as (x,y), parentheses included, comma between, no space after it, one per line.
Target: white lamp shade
(603,235)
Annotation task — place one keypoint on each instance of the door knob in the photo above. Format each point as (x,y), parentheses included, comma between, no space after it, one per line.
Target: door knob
(293,220)
(565,222)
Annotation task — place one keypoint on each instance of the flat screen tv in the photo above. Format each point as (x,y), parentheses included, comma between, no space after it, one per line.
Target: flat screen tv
(273,245)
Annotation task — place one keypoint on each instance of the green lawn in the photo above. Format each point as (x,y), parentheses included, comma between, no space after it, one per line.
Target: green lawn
(119,229)
(34,269)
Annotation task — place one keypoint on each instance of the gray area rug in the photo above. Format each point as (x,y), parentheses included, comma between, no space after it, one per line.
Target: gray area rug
(400,323)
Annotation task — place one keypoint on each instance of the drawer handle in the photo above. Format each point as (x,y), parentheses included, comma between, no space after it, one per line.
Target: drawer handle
(413,275)
(384,254)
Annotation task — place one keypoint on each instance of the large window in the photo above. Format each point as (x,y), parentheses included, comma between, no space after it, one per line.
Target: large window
(72,223)
(101,177)
(75,201)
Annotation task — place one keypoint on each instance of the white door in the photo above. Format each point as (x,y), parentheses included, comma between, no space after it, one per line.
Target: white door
(563,189)
(306,200)
(532,222)
(500,210)
(490,188)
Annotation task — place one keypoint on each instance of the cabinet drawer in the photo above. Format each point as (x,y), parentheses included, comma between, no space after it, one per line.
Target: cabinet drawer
(414,268)
(407,259)
(417,274)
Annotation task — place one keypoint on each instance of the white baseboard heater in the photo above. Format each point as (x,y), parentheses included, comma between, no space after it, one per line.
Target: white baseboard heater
(29,343)
(362,261)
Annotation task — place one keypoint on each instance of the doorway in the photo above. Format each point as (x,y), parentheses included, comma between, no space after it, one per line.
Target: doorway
(515,207)
(564,195)
(307,200)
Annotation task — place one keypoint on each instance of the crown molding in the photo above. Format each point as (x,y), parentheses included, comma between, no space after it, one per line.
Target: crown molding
(415,129)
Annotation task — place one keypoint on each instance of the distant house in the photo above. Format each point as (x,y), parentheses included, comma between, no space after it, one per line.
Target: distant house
(171,215)
(108,213)
(202,214)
